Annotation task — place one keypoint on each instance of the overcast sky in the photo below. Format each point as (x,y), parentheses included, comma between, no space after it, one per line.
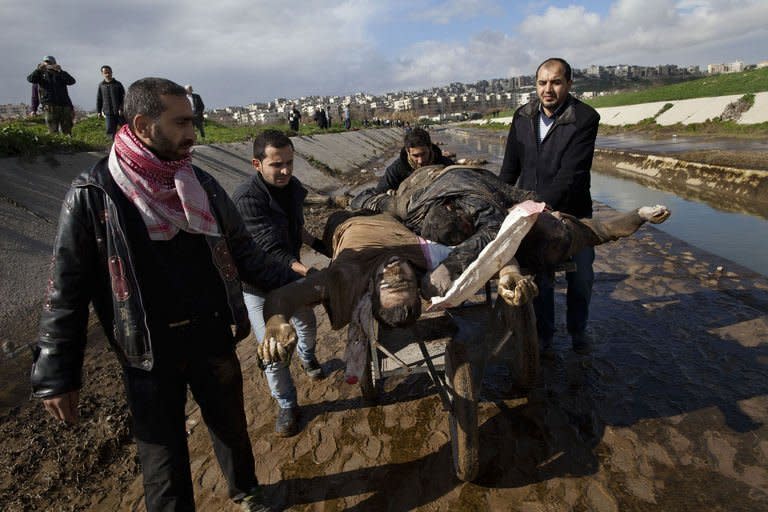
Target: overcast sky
(236,52)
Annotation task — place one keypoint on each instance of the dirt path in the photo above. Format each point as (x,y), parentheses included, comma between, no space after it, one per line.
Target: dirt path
(668,413)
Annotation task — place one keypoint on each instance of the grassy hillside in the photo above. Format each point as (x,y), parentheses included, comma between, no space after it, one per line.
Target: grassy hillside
(29,137)
(752,81)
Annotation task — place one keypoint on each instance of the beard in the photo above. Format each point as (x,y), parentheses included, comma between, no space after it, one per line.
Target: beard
(166,149)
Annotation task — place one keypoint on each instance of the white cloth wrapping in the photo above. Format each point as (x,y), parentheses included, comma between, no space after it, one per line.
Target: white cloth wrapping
(493,257)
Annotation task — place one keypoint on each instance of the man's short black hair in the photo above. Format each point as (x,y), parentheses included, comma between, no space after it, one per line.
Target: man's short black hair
(447,224)
(566,67)
(144,97)
(106,66)
(274,138)
(396,316)
(416,138)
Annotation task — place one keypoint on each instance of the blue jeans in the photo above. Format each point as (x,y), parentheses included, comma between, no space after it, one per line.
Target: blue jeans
(278,374)
(113,122)
(577,298)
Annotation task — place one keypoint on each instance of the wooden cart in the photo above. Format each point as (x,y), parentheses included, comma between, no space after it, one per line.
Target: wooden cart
(452,347)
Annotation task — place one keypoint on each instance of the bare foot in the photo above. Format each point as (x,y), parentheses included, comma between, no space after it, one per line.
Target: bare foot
(654,214)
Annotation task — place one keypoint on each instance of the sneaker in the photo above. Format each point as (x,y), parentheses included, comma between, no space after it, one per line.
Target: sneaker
(287,423)
(581,343)
(313,369)
(254,502)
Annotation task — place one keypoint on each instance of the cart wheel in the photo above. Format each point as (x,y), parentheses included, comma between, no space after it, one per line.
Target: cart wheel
(519,324)
(465,438)
(368,385)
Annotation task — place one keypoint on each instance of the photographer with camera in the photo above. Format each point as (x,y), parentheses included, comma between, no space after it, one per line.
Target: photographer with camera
(52,82)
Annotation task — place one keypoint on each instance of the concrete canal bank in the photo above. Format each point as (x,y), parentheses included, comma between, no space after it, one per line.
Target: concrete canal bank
(731,188)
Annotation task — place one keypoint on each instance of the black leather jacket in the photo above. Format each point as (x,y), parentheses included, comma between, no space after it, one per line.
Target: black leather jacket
(92,263)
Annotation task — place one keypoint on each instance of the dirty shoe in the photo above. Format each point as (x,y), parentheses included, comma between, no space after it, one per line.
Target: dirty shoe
(313,369)
(287,423)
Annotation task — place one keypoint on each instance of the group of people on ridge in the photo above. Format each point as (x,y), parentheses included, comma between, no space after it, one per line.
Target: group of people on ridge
(49,90)
(178,272)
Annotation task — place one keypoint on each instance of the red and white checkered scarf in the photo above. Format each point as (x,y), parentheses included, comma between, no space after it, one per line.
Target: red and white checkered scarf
(167,193)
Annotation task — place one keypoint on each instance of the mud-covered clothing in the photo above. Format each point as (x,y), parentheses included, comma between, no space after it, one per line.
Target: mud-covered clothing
(276,229)
(400,169)
(360,246)
(109,98)
(478,192)
(52,86)
(557,169)
(93,262)
(554,237)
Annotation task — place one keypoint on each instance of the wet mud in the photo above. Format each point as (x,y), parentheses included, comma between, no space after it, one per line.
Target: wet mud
(669,412)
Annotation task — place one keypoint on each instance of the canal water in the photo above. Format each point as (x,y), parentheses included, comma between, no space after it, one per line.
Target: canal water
(739,237)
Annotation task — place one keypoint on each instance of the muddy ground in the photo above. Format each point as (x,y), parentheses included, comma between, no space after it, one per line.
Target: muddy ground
(668,413)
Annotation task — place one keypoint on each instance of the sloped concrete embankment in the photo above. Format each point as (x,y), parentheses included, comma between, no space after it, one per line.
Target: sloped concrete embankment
(724,187)
(32,192)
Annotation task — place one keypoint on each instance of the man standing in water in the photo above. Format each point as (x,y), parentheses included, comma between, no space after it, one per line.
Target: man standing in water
(549,151)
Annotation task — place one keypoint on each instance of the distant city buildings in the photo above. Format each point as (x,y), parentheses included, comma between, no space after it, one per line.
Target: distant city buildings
(14,110)
(456,100)
(732,67)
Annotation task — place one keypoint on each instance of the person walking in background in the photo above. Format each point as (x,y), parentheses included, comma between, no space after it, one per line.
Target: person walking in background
(549,151)
(294,116)
(52,83)
(109,101)
(347,118)
(159,249)
(271,204)
(34,102)
(418,151)
(198,107)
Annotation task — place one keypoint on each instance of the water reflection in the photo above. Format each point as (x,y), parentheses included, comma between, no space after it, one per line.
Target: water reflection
(737,236)
(678,144)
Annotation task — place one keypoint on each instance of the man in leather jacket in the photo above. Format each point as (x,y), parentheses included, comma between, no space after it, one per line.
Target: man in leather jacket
(159,249)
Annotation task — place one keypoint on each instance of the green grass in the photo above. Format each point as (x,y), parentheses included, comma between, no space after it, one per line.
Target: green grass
(29,137)
(746,82)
